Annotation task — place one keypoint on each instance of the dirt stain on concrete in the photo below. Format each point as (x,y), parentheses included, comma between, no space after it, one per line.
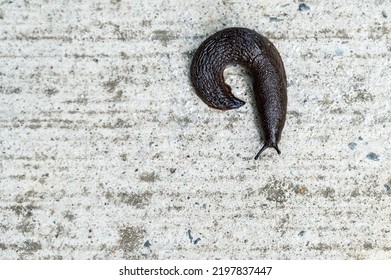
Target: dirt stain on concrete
(131,238)
(149,177)
(137,200)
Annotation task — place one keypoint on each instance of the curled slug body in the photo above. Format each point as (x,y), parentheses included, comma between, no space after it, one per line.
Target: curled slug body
(257,54)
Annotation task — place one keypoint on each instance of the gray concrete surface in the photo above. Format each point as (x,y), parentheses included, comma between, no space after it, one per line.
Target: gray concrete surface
(107,153)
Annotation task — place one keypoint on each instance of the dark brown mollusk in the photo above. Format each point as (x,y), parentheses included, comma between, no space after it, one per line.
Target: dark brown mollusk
(257,54)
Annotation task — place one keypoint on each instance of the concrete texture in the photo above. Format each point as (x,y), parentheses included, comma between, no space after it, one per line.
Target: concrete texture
(107,153)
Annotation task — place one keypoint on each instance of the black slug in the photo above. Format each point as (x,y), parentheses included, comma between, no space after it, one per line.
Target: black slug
(257,54)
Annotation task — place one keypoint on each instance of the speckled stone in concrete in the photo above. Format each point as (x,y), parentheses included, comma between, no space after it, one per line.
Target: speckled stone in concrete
(107,153)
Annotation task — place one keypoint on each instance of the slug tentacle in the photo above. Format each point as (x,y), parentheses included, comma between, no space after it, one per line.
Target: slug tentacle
(264,148)
(256,53)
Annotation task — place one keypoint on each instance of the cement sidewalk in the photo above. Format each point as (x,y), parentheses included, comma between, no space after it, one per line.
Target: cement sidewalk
(107,153)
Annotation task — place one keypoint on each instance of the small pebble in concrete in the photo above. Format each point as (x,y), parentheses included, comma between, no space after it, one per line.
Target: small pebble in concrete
(192,240)
(338,52)
(275,19)
(147,244)
(388,188)
(373,156)
(190,236)
(352,145)
(303,7)
(301,233)
(384,14)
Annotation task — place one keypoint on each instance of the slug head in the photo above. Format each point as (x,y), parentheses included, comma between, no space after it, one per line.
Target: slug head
(271,138)
(268,145)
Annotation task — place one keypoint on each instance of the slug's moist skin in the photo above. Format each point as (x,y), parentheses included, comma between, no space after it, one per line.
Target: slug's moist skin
(257,54)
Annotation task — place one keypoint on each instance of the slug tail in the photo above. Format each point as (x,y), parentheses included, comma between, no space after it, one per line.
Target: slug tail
(221,98)
(234,103)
